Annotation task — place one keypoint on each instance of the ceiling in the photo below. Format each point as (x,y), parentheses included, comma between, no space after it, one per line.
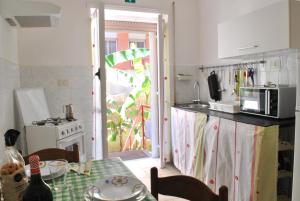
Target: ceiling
(132,16)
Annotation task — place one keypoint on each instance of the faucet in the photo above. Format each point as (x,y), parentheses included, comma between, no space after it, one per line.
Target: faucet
(197,84)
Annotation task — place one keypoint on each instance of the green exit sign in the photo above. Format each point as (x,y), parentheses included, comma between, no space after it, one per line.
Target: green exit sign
(130,1)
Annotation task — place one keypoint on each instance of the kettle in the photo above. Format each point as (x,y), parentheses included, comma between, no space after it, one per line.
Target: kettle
(69,112)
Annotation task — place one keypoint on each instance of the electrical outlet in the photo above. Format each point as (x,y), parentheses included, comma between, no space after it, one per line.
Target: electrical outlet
(275,64)
(62,83)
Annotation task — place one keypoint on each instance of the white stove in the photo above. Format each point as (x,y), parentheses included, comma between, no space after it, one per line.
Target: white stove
(43,132)
(62,136)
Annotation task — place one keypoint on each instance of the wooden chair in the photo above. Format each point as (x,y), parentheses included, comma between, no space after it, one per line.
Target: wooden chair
(53,154)
(184,187)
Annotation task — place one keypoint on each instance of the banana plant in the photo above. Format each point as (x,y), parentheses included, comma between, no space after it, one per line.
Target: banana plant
(121,118)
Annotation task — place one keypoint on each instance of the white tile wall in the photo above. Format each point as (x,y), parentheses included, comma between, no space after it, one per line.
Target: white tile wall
(184,88)
(284,73)
(65,85)
(9,80)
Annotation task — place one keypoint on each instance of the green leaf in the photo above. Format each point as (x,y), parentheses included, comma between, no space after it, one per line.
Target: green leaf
(109,111)
(127,125)
(138,94)
(136,131)
(132,97)
(131,80)
(125,55)
(112,137)
(131,105)
(134,113)
(111,125)
(138,65)
(146,114)
(146,83)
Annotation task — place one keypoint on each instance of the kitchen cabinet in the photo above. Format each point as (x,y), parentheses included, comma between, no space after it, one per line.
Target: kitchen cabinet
(274,27)
(219,151)
(187,135)
(242,157)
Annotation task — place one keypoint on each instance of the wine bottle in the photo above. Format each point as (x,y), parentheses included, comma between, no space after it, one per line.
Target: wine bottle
(37,190)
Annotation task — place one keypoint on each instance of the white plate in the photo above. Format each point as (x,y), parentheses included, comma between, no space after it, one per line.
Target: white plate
(45,170)
(116,188)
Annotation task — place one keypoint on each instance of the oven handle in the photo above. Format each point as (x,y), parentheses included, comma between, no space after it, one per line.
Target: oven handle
(70,138)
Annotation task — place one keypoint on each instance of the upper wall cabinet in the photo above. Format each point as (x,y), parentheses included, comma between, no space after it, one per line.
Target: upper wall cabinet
(275,27)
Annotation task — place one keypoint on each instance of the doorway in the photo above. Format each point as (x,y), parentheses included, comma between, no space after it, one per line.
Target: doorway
(130,84)
(144,64)
(128,36)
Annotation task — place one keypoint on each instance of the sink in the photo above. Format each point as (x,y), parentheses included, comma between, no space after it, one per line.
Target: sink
(198,106)
(195,106)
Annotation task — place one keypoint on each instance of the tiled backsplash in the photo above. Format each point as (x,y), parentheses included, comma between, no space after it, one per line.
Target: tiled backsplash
(9,80)
(64,85)
(280,68)
(184,88)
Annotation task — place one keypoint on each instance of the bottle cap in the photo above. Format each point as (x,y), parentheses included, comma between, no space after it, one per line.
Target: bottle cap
(11,137)
(34,161)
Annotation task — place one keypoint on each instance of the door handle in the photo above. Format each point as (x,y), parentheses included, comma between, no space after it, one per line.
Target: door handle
(269,102)
(98,74)
(266,102)
(248,47)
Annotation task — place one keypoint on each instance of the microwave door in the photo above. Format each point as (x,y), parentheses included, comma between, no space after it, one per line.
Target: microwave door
(254,101)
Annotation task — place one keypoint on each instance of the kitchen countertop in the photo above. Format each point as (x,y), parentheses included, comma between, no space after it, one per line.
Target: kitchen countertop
(243,118)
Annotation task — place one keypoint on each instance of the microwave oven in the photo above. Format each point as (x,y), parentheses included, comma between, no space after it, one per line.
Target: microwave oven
(275,102)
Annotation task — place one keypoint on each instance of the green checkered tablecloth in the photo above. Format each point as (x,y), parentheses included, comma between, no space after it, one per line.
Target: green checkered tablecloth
(100,169)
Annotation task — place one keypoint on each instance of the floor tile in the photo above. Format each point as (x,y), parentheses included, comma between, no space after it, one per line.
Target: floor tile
(141,169)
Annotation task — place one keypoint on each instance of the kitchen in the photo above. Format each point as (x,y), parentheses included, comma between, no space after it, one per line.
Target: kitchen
(58,59)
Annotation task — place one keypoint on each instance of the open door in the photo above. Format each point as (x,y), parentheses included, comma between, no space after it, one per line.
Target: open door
(98,56)
(160,45)
(164,90)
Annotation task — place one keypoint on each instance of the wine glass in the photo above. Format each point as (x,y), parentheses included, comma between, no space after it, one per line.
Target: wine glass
(58,169)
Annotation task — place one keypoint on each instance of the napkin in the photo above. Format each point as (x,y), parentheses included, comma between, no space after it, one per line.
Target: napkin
(82,168)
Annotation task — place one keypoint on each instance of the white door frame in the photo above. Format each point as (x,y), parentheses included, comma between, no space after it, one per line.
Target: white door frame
(101,6)
(160,49)
(154,95)
(103,109)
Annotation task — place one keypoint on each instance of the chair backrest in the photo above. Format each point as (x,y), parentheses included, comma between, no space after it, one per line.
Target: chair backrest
(184,187)
(54,154)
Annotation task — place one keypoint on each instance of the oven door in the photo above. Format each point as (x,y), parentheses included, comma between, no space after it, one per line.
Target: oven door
(67,144)
(254,100)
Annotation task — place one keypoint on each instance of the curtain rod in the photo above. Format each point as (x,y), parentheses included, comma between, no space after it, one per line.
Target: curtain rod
(232,65)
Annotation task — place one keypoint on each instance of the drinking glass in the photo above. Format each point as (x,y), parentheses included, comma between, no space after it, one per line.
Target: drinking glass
(58,171)
(91,193)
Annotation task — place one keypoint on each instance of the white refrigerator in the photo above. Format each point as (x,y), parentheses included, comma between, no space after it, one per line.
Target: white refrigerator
(296,174)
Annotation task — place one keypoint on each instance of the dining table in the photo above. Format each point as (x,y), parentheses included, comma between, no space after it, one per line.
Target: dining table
(77,184)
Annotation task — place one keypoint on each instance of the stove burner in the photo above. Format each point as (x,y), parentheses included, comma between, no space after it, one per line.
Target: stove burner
(49,121)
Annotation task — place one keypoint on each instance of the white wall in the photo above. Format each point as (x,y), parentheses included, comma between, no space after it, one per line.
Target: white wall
(59,60)
(9,79)
(48,56)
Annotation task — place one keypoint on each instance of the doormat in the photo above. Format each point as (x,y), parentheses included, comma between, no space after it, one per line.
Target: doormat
(128,155)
